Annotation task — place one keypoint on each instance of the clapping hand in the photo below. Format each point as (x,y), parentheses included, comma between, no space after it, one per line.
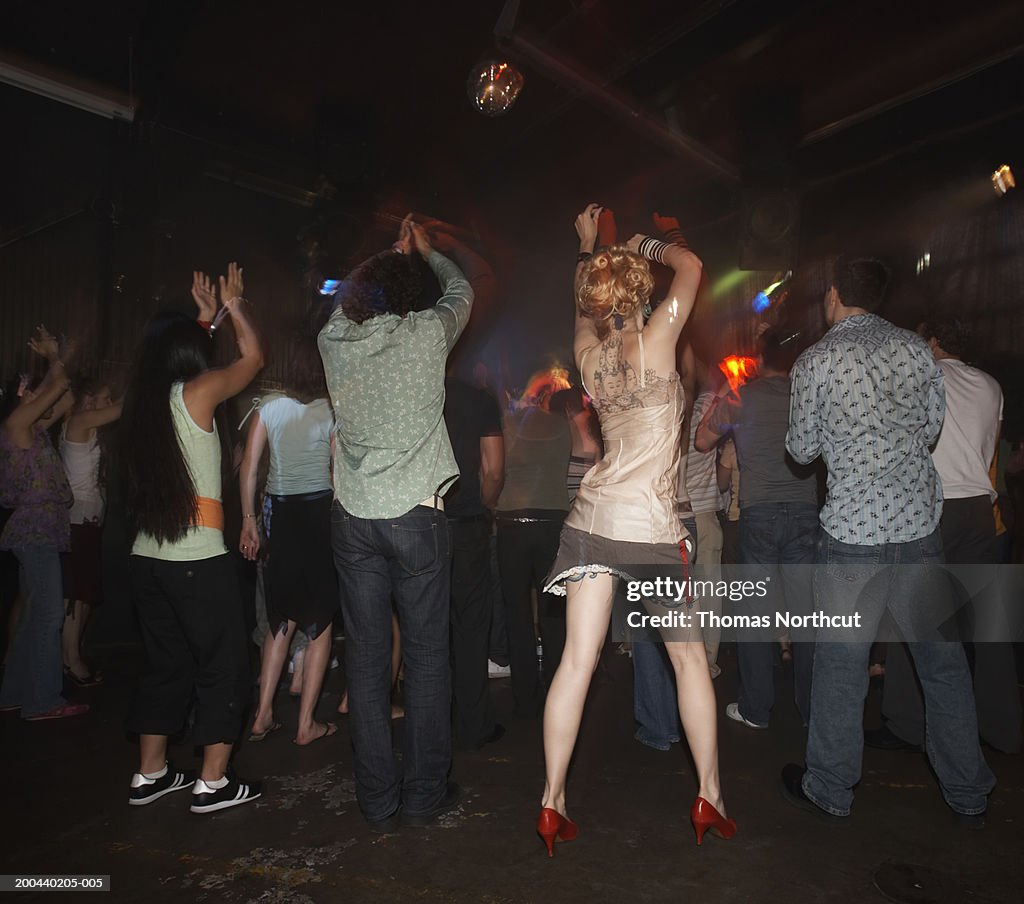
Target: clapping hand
(202,293)
(231,286)
(410,235)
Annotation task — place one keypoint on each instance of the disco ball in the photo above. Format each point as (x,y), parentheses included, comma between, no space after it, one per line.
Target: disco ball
(493,87)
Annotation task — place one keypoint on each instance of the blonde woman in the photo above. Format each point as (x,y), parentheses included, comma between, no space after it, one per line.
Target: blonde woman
(625,512)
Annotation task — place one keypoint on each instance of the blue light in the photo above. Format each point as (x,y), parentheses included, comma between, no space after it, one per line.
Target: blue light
(761,303)
(329,286)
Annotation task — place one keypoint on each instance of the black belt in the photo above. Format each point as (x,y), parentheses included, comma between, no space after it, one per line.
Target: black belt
(302,497)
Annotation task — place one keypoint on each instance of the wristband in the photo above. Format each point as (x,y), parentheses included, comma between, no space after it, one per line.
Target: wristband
(652,249)
(248,516)
(205,324)
(584,256)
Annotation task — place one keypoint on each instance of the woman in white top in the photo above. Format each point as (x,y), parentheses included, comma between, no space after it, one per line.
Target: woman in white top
(299,579)
(80,452)
(184,583)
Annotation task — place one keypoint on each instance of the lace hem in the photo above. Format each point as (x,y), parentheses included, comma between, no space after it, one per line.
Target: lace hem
(556,585)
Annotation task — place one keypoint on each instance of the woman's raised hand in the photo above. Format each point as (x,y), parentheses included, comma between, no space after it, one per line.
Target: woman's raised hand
(202,294)
(44,345)
(586,226)
(231,286)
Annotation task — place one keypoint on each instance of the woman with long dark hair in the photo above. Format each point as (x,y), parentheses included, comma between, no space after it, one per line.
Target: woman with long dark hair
(300,582)
(624,514)
(184,584)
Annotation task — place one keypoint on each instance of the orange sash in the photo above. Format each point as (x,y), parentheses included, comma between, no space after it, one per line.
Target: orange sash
(211,513)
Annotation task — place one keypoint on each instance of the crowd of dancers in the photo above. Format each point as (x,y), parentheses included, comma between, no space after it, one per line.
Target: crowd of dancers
(392,484)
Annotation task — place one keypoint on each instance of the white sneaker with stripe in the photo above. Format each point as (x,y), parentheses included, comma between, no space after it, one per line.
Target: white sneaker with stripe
(146,790)
(206,799)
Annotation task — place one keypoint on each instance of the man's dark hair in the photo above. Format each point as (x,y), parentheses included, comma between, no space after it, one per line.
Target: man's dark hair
(952,336)
(860,282)
(388,283)
(779,349)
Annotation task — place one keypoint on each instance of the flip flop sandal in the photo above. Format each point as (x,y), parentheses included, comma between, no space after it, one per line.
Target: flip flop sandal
(329,729)
(260,736)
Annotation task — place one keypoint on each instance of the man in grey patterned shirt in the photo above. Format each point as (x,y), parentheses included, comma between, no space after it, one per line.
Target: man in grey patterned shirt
(868,399)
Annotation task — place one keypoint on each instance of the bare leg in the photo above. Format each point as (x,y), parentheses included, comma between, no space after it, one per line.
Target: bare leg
(275,651)
(588,611)
(314,665)
(215,762)
(152,753)
(697,712)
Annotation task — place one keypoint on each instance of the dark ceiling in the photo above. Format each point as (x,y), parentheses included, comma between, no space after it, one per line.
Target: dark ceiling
(686,106)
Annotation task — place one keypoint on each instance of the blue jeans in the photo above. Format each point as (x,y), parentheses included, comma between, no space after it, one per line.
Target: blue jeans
(869,580)
(406,559)
(655,704)
(34,675)
(773,535)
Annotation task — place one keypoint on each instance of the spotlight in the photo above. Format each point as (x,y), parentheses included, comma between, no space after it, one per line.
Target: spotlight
(763,299)
(493,87)
(1002,180)
(329,286)
(923,263)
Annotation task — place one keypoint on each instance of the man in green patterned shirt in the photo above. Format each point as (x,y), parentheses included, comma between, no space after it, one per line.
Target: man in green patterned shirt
(385,367)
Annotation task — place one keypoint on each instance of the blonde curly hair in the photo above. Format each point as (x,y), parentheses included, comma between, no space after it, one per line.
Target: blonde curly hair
(613,281)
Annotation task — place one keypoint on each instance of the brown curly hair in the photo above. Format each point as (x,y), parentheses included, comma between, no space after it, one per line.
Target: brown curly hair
(613,281)
(388,283)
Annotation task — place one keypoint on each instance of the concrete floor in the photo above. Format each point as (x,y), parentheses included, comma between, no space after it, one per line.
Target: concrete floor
(65,808)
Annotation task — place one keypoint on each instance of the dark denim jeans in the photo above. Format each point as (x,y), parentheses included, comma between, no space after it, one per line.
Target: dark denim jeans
(471,623)
(33,677)
(774,535)
(868,580)
(406,559)
(655,704)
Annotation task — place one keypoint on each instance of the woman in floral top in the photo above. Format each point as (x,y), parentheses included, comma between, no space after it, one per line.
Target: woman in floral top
(34,487)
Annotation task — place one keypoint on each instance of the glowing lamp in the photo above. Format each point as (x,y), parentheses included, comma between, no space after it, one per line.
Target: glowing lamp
(738,370)
(493,87)
(761,303)
(1002,179)
(329,286)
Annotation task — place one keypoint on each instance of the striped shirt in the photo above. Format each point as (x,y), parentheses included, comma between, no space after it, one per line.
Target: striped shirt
(868,398)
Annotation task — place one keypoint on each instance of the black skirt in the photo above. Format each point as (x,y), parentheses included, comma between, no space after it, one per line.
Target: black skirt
(299,579)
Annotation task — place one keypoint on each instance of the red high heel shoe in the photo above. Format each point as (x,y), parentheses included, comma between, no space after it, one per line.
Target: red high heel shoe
(552,826)
(704,817)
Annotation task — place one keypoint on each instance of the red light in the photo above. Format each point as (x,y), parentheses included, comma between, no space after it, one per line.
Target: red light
(738,370)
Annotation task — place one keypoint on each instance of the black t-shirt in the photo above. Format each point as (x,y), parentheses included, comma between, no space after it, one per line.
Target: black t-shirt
(470,413)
